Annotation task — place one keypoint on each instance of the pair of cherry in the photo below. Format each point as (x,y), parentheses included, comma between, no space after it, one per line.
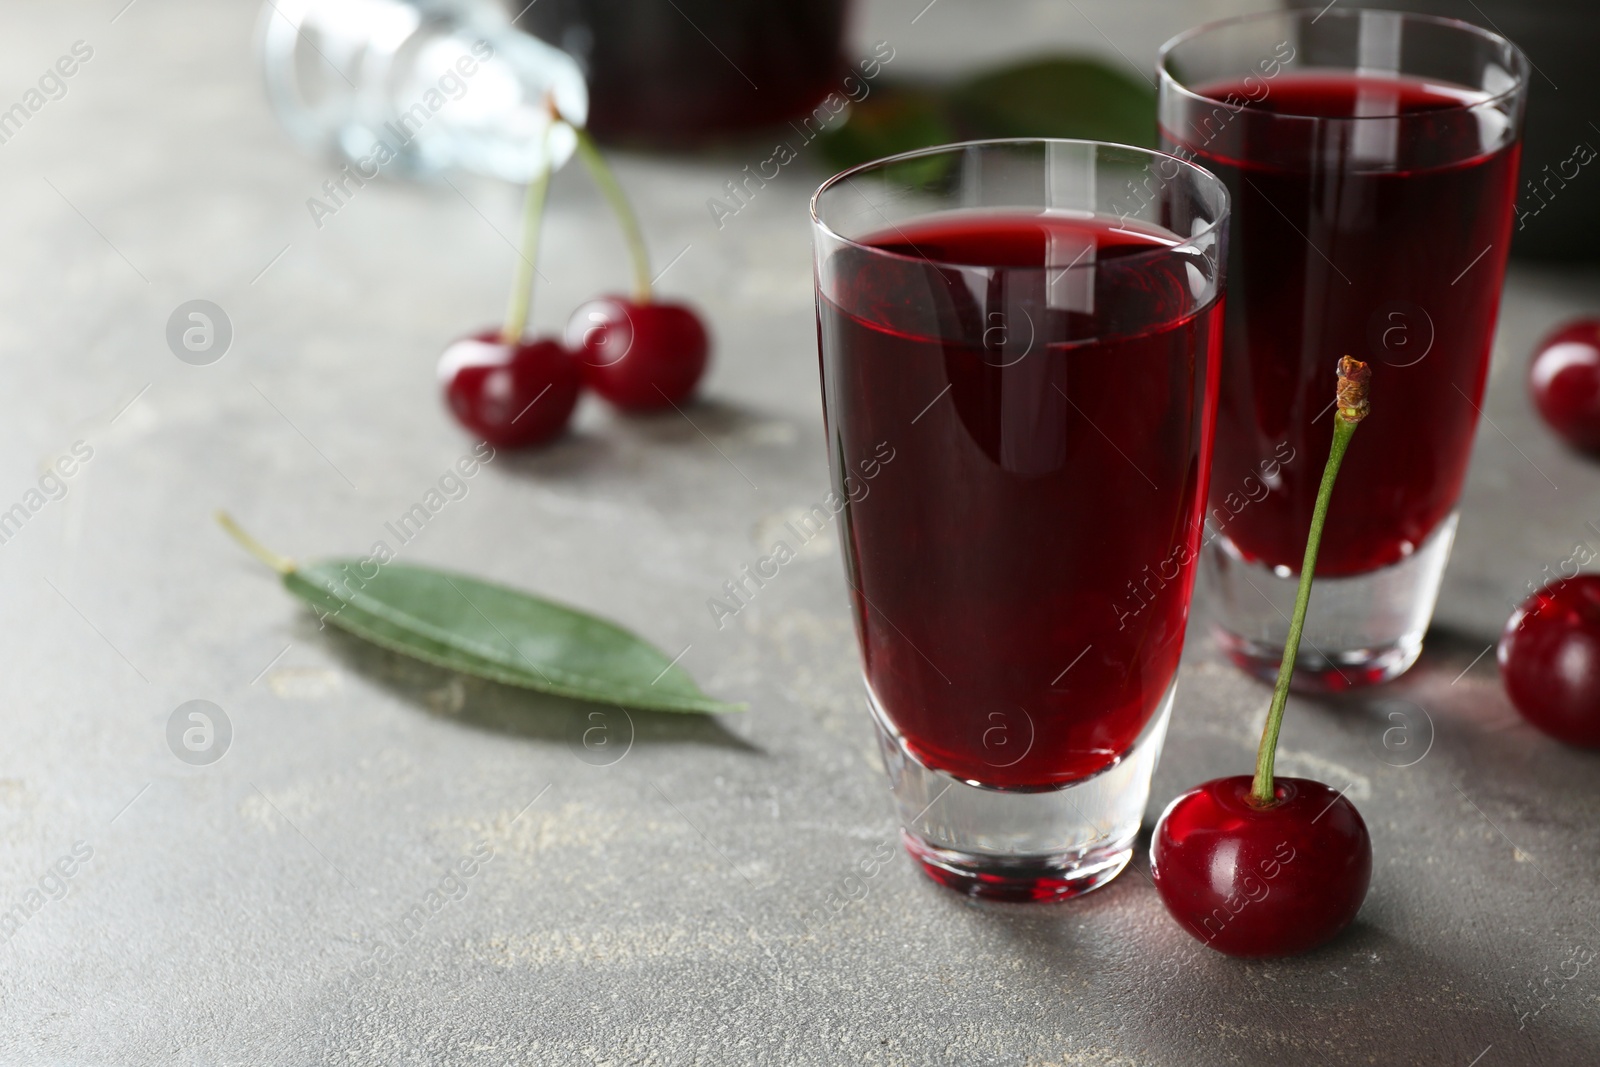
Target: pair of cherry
(639,356)
(637,352)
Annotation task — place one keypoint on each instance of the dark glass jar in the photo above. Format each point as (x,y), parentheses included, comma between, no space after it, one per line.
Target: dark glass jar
(669,73)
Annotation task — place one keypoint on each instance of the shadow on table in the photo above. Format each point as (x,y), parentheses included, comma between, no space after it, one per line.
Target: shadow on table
(700,424)
(1453,652)
(1452,695)
(1428,973)
(596,733)
(1449,654)
(1452,687)
(1366,997)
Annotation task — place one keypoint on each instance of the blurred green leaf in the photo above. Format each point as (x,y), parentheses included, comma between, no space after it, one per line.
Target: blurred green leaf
(1052,96)
(894,119)
(1057,97)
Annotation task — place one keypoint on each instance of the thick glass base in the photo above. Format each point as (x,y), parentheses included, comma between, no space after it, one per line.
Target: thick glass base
(1360,630)
(1022,846)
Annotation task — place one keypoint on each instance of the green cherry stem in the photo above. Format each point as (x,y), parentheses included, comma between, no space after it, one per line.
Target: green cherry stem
(1353,406)
(527,253)
(612,191)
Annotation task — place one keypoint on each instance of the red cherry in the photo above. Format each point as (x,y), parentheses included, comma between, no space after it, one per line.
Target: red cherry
(1564,378)
(510,395)
(1550,659)
(1252,881)
(639,356)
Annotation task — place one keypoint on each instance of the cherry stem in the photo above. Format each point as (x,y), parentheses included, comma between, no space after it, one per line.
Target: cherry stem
(281,564)
(528,252)
(606,179)
(1353,406)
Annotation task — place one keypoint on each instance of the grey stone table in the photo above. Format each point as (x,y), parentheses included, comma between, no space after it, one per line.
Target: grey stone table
(391,865)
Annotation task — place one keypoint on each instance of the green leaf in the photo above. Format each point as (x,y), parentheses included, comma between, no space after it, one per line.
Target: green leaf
(492,631)
(1053,96)
(495,632)
(1057,97)
(892,120)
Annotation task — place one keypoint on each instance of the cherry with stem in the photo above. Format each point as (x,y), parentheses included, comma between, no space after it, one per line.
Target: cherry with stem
(1267,866)
(638,352)
(511,390)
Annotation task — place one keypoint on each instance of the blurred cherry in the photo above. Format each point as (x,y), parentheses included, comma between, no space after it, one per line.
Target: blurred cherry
(1550,660)
(639,356)
(1564,379)
(510,395)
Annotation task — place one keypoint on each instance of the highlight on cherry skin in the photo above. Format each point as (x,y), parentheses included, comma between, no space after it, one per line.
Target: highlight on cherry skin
(511,395)
(640,355)
(1549,658)
(1564,379)
(1261,881)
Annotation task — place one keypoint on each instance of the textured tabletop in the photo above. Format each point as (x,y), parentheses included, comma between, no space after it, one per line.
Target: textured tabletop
(390,864)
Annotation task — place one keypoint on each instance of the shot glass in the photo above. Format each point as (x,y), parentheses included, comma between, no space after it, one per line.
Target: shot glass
(1371,158)
(1019,345)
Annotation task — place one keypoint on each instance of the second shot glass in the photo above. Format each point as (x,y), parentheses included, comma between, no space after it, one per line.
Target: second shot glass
(1371,158)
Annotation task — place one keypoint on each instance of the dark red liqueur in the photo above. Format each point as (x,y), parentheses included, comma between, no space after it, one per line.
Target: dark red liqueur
(1379,238)
(1023,454)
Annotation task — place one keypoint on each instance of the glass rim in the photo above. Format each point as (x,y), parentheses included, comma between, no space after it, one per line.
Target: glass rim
(1211,228)
(1521,71)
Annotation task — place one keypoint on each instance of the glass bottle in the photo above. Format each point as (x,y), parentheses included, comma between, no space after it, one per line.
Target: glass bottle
(415,87)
